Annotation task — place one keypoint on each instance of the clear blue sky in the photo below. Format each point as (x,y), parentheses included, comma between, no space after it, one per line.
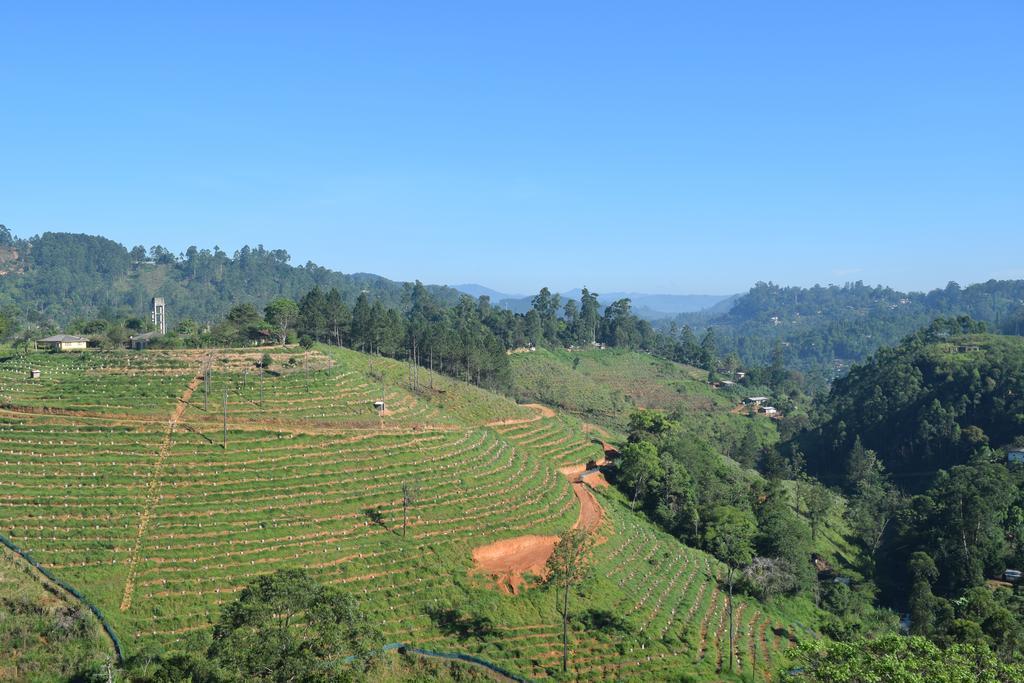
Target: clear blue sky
(663,147)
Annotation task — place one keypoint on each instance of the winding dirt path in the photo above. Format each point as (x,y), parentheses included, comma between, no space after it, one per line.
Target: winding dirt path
(509,560)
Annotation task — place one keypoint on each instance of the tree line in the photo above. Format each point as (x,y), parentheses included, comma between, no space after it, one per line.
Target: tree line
(822,330)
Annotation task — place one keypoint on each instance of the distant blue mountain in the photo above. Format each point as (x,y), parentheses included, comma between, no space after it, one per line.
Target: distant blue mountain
(649,306)
(480,290)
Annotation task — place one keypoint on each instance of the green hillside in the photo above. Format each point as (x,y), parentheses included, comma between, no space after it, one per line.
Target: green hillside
(605,384)
(823,330)
(45,634)
(943,397)
(116,476)
(54,278)
(918,437)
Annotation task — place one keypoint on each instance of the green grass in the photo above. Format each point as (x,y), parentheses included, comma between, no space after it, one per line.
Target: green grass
(605,385)
(104,494)
(45,635)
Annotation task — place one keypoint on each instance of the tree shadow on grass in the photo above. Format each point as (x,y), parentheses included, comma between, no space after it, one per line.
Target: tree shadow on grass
(453,622)
(604,621)
(375,516)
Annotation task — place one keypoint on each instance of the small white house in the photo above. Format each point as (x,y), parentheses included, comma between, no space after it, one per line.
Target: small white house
(770,411)
(63,342)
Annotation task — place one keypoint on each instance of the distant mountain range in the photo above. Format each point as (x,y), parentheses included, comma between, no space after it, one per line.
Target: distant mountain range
(649,306)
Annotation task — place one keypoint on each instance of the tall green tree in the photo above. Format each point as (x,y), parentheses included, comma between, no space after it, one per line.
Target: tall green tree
(546,305)
(639,468)
(590,316)
(817,502)
(567,568)
(362,322)
(282,314)
(730,536)
(287,627)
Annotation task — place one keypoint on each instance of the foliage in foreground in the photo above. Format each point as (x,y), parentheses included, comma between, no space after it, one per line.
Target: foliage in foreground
(43,636)
(283,627)
(287,626)
(898,659)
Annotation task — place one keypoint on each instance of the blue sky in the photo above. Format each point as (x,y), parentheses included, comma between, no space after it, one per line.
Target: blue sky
(662,147)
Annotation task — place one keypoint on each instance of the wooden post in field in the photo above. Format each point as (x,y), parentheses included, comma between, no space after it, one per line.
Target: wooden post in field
(410,491)
(225,418)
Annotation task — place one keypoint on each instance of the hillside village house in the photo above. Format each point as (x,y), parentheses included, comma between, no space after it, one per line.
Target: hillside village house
(63,342)
(141,341)
(1015,456)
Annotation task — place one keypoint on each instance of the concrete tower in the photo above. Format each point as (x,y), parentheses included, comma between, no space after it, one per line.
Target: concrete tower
(159,317)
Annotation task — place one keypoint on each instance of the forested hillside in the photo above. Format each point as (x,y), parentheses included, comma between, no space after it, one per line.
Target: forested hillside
(822,330)
(59,277)
(945,396)
(917,438)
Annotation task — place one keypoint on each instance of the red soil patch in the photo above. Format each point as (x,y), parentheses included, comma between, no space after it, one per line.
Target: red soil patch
(507,561)
(591,512)
(596,480)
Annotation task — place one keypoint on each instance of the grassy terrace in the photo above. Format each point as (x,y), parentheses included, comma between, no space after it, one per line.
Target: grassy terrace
(604,385)
(126,491)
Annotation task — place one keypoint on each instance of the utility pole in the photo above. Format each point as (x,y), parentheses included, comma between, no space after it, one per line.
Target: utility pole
(206,390)
(261,386)
(410,492)
(225,418)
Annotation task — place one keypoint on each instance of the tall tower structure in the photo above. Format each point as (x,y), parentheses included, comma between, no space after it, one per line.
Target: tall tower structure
(159,317)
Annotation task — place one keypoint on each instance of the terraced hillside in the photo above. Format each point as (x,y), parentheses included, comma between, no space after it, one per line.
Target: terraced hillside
(117,472)
(605,384)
